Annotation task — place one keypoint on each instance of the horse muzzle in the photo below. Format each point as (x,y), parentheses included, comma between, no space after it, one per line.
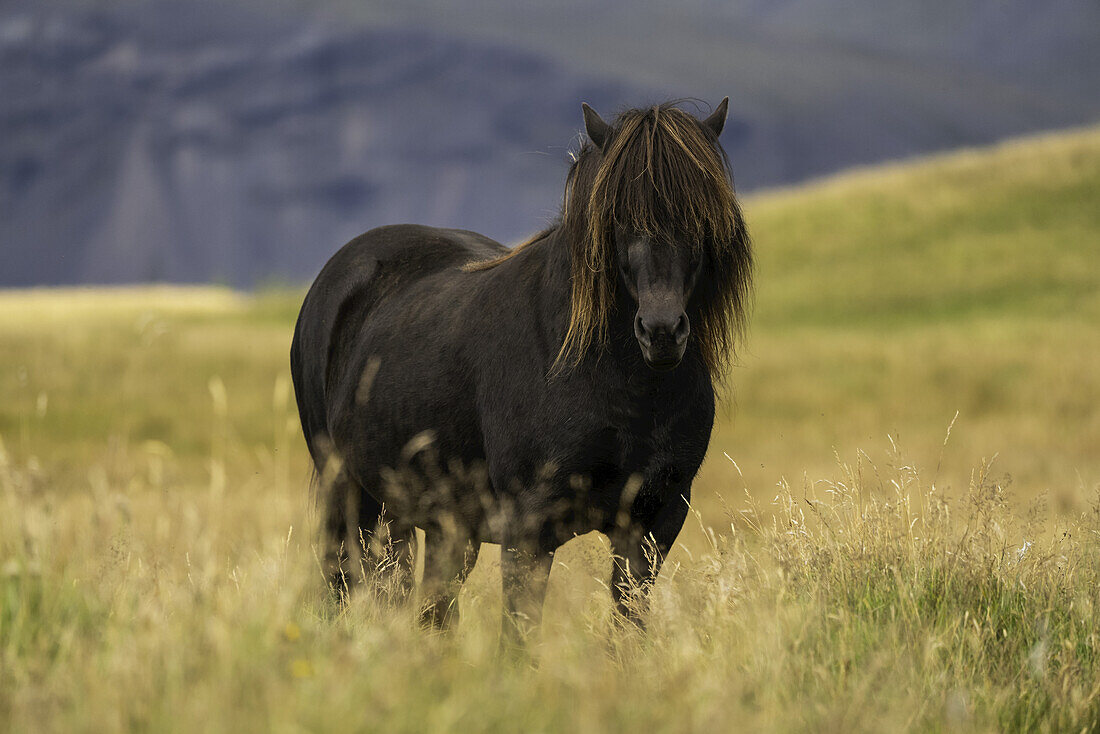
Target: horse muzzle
(663,341)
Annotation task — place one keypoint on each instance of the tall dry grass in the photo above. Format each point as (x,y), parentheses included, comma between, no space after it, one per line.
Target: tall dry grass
(871,600)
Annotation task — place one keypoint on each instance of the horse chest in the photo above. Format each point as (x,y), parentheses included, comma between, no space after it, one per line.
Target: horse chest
(655,438)
(634,452)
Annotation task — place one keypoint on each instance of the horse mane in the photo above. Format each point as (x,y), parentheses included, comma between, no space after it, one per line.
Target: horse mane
(477,265)
(662,175)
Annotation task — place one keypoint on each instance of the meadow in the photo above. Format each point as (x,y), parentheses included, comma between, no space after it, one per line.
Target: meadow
(897,526)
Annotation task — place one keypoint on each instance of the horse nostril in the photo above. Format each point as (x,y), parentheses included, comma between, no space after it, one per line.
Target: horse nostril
(680,333)
(640,331)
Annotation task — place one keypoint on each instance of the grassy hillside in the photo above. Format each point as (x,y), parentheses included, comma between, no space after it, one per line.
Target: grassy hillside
(157,570)
(891,298)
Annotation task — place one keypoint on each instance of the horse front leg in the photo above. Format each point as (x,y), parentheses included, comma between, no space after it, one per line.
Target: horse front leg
(639,547)
(448,559)
(524,570)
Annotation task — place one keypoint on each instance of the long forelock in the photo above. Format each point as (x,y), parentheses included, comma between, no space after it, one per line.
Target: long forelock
(663,177)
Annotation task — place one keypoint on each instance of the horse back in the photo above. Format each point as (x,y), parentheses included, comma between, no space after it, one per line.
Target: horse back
(352,283)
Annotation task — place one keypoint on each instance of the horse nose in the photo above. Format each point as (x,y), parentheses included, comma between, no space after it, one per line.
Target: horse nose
(655,328)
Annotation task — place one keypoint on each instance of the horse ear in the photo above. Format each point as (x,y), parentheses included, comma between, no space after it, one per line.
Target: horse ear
(717,119)
(594,125)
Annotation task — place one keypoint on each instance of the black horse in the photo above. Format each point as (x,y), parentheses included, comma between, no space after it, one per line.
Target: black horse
(525,396)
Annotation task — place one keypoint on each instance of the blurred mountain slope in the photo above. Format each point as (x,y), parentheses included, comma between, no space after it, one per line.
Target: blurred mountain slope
(198,141)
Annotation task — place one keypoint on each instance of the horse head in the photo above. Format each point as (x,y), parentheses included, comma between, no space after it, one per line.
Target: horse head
(656,226)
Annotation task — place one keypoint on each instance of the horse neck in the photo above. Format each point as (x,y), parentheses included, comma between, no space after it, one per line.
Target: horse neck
(556,303)
(556,280)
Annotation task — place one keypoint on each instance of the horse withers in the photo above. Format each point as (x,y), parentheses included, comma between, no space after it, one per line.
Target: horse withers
(526,396)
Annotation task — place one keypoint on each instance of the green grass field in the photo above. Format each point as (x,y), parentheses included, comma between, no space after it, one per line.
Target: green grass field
(846,568)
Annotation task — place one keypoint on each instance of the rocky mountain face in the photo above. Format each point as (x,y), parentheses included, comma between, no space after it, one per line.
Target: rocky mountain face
(174,140)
